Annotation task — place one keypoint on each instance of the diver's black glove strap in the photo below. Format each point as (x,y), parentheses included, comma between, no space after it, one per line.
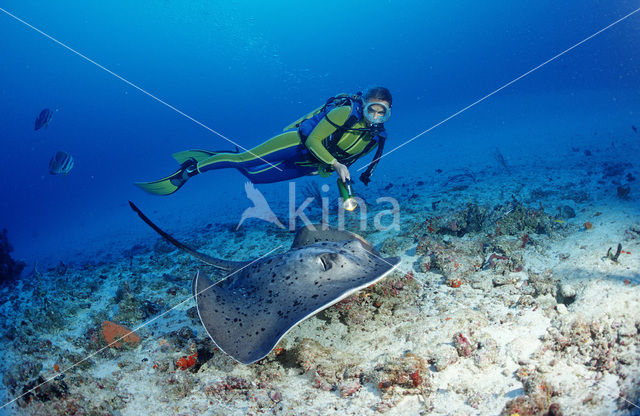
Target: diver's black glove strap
(364,178)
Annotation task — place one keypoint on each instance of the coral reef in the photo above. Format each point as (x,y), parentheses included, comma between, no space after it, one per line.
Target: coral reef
(376,302)
(401,376)
(537,399)
(499,306)
(512,218)
(328,369)
(9,268)
(40,389)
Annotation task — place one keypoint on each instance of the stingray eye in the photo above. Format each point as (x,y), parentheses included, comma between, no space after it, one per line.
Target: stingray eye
(325,261)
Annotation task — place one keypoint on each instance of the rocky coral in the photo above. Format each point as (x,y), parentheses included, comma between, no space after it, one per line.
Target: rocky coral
(131,309)
(395,246)
(603,345)
(406,372)
(377,301)
(9,268)
(397,377)
(61,396)
(538,398)
(511,218)
(18,375)
(43,390)
(329,369)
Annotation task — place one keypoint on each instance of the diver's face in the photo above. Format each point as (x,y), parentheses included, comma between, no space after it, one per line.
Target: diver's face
(376,111)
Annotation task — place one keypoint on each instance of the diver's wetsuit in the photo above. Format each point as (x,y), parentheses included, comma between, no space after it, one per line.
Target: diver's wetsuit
(288,155)
(293,158)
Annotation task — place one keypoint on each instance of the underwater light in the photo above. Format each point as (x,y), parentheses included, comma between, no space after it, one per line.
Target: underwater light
(348,201)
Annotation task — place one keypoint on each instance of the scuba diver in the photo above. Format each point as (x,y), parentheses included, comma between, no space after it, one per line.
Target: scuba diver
(330,138)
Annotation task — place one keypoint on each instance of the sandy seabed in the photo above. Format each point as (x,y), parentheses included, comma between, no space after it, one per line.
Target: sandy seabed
(512,298)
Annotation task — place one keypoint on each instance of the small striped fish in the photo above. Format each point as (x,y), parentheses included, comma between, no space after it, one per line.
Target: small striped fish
(61,163)
(43,119)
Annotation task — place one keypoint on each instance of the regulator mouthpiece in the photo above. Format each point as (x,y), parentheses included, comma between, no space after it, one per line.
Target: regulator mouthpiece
(349,202)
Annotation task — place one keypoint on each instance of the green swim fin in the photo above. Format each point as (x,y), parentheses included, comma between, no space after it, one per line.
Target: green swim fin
(173,182)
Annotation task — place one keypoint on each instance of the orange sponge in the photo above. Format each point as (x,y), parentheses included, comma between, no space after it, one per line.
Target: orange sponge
(116,335)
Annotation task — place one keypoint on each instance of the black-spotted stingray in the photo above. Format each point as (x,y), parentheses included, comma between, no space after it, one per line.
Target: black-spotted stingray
(248,313)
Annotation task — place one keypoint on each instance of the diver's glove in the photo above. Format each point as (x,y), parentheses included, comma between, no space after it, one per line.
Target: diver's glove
(364,178)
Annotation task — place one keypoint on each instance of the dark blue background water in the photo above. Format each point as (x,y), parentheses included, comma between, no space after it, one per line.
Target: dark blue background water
(247,69)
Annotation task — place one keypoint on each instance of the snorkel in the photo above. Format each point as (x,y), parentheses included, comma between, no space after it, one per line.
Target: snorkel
(349,202)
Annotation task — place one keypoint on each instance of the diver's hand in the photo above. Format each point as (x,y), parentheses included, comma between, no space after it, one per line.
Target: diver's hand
(342,170)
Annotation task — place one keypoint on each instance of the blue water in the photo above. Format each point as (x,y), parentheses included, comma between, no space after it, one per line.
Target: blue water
(248,69)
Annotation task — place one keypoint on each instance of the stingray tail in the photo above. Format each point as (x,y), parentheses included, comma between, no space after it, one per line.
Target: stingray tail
(194,282)
(218,263)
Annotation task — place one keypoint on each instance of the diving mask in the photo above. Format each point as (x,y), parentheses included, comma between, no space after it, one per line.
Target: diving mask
(376,112)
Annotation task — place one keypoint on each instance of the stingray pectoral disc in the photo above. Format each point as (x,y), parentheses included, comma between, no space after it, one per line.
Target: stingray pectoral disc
(247,314)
